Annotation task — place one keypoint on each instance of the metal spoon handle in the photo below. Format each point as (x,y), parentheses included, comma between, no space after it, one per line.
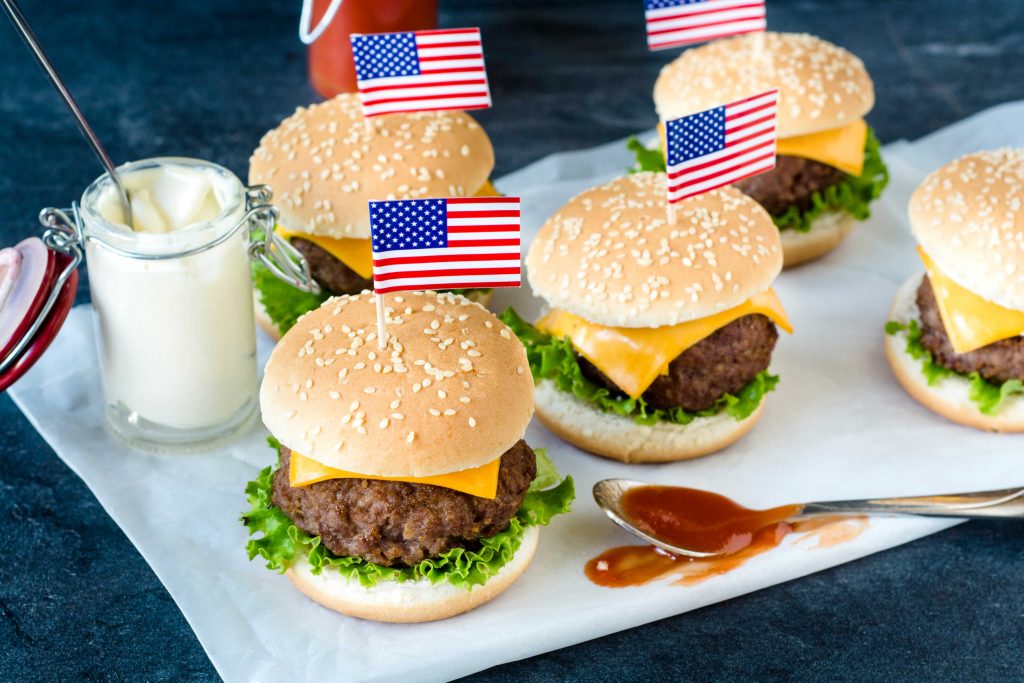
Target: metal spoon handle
(1008,503)
(37,51)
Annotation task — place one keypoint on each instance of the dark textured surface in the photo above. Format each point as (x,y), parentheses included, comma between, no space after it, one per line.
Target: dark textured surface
(206,77)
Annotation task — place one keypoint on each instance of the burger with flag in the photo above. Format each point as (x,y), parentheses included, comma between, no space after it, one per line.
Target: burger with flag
(404,489)
(660,332)
(829,168)
(327,161)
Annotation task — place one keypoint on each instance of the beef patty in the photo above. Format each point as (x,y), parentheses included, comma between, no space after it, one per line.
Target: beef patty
(722,363)
(397,523)
(792,182)
(330,273)
(998,362)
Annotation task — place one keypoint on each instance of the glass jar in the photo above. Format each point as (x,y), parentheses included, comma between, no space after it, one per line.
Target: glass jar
(174,316)
(327,24)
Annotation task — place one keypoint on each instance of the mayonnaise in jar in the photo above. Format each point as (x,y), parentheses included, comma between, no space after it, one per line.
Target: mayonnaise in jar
(173,302)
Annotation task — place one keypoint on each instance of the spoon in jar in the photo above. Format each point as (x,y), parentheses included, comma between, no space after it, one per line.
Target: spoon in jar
(29,36)
(693,523)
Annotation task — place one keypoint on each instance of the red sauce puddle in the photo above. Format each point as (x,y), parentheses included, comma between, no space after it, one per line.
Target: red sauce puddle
(707,522)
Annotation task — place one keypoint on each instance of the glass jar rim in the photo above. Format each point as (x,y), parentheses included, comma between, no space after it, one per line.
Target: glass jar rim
(97,228)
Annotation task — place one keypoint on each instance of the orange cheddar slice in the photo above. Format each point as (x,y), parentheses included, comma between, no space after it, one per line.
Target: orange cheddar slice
(971,322)
(354,252)
(481,482)
(842,147)
(634,357)
(488,190)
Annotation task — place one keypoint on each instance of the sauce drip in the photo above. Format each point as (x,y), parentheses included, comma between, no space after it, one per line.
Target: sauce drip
(635,565)
(706,522)
(698,520)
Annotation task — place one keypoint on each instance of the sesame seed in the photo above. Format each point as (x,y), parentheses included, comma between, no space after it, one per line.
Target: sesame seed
(472,422)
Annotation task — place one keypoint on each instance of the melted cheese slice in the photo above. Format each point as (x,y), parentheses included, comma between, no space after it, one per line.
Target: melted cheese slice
(354,252)
(633,357)
(488,190)
(357,253)
(481,482)
(841,147)
(970,321)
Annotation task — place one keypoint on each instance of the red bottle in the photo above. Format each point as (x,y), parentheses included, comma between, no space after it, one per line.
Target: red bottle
(331,70)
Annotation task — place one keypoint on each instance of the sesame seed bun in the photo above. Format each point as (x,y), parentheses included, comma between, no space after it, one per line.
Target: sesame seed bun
(821,86)
(325,164)
(826,232)
(611,256)
(409,601)
(950,396)
(968,217)
(621,438)
(452,391)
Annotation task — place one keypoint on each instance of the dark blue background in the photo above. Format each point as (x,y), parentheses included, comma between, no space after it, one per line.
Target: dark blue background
(206,78)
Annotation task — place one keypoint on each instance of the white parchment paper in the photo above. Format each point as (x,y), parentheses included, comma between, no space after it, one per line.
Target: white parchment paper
(837,427)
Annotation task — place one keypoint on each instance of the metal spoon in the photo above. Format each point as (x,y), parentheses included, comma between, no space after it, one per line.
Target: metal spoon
(1005,503)
(20,23)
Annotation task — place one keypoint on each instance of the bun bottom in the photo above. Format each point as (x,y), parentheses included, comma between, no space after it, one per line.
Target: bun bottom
(950,396)
(826,232)
(411,601)
(622,438)
(264,322)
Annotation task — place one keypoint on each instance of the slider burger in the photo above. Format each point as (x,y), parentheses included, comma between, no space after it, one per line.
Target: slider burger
(326,162)
(829,168)
(956,333)
(659,337)
(404,490)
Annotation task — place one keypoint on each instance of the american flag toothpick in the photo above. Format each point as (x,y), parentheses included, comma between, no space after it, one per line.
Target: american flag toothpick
(719,146)
(454,243)
(675,23)
(421,71)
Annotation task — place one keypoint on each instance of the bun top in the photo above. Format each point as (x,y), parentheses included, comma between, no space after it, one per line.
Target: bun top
(821,86)
(325,165)
(969,217)
(611,256)
(452,391)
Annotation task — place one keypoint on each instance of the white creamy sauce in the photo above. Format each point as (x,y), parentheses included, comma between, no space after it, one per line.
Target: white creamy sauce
(177,336)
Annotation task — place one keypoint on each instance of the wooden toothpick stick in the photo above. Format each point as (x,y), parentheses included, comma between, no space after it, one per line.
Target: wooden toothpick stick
(382,333)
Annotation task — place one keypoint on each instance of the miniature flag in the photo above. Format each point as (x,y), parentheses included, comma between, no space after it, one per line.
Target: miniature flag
(720,146)
(421,71)
(672,23)
(456,243)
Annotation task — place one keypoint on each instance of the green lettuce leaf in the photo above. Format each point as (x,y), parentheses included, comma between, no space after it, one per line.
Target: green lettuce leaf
(852,195)
(987,396)
(279,541)
(647,159)
(553,359)
(283,303)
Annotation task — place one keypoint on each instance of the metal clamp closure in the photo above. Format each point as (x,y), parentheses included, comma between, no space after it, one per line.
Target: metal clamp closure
(270,249)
